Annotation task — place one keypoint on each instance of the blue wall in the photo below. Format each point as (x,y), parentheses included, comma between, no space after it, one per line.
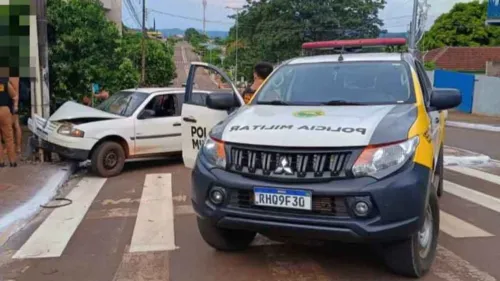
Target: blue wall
(464,82)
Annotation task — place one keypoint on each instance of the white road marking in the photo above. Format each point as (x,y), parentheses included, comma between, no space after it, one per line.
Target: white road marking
(154,225)
(450,267)
(458,228)
(152,266)
(52,236)
(183,52)
(473,196)
(476,173)
(184,210)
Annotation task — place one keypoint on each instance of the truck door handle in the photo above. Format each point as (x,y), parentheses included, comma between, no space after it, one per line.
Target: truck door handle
(177,124)
(189,119)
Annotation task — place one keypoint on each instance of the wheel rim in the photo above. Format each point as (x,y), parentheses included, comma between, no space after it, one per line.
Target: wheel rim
(110,159)
(425,235)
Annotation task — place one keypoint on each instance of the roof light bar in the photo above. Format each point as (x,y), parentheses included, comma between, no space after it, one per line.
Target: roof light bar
(354,43)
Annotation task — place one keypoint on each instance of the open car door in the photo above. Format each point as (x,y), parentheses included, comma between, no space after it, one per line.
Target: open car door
(200,113)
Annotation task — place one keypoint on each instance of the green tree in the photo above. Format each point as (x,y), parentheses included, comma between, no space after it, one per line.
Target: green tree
(464,25)
(86,48)
(83,51)
(160,68)
(275,30)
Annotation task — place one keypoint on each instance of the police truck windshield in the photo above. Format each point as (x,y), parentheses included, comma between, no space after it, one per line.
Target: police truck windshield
(338,83)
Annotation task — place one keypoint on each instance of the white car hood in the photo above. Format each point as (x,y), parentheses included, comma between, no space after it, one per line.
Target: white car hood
(305,126)
(72,110)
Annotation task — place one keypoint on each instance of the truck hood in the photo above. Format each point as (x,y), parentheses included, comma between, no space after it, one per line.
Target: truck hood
(305,126)
(71,110)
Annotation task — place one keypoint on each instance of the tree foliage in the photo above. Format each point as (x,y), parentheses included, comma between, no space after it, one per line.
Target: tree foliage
(195,38)
(85,48)
(275,30)
(464,25)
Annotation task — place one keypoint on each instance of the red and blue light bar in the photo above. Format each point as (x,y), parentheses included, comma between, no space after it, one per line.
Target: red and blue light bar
(353,43)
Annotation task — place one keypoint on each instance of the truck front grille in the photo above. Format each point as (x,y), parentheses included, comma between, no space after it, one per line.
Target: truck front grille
(289,163)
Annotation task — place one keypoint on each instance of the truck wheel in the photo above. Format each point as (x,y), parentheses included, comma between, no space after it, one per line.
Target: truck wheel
(413,257)
(228,240)
(439,173)
(108,159)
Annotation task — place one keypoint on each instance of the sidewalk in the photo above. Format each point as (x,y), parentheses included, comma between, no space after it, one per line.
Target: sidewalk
(25,188)
(473,121)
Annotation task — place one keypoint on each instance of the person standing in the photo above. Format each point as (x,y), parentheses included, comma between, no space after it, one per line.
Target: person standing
(261,71)
(9,99)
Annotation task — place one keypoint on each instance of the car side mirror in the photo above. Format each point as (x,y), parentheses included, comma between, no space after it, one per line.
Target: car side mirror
(147,114)
(221,101)
(445,98)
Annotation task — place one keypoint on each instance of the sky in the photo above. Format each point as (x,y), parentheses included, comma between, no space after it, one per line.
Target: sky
(184,14)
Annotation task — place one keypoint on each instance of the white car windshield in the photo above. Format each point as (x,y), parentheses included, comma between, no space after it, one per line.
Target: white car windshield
(337,83)
(123,103)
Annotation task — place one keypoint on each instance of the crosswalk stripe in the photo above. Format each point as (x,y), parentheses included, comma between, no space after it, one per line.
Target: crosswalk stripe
(473,196)
(475,173)
(52,236)
(458,228)
(154,225)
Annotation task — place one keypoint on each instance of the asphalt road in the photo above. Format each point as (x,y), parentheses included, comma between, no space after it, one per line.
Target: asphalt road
(140,226)
(183,57)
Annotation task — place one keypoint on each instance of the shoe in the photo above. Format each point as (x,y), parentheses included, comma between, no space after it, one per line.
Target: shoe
(13,165)
(2,165)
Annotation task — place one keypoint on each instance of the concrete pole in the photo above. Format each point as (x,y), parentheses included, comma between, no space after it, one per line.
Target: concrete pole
(143,44)
(413,28)
(41,11)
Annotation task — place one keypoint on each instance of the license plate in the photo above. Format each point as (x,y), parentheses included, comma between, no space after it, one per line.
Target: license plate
(282,198)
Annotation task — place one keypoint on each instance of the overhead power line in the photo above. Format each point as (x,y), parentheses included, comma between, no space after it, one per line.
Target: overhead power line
(232,23)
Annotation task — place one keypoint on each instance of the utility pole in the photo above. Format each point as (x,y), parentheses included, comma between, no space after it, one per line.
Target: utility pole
(41,10)
(237,43)
(204,17)
(413,28)
(143,45)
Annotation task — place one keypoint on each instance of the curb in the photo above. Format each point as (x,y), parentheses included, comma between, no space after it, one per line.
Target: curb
(481,127)
(18,218)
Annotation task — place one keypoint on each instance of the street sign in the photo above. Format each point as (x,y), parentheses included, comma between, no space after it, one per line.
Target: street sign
(493,12)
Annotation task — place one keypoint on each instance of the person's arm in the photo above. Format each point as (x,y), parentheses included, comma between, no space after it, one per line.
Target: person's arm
(14,92)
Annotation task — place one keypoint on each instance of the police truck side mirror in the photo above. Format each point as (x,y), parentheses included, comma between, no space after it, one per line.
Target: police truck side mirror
(221,101)
(445,98)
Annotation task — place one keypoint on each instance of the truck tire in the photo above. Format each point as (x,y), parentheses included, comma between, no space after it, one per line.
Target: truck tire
(227,240)
(108,159)
(414,256)
(439,173)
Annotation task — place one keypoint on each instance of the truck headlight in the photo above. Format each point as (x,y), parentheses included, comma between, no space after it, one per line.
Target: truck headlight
(68,130)
(382,160)
(214,151)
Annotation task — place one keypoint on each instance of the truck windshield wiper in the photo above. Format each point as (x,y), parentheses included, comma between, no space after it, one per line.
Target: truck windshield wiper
(273,102)
(341,102)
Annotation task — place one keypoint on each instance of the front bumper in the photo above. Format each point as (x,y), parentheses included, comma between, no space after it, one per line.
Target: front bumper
(68,147)
(67,152)
(398,201)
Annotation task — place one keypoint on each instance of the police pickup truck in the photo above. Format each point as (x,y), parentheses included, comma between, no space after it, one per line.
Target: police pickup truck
(345,147)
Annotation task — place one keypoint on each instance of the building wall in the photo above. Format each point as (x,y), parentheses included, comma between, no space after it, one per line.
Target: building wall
(486,95)
(113,9)
(486,98)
